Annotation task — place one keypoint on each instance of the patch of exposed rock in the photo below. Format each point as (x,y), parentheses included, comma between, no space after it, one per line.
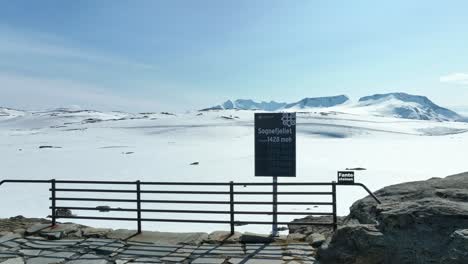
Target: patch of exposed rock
(417,222)
(19,224)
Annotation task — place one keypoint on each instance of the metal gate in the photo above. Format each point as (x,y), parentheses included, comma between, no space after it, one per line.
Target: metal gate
(140,205)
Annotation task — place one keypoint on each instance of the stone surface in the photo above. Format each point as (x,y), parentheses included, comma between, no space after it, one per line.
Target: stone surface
(36,228)
(18,260)
(223,237)
(106,251)
(458,248)
(417,222)
(296,237)
(60,231)
(89,259)
(315,239)
(95,232)
(171,238)
(8,237)
(256,238)
(121,234)
(296,227)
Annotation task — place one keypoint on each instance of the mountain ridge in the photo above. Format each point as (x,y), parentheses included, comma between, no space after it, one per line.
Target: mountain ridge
(397,104)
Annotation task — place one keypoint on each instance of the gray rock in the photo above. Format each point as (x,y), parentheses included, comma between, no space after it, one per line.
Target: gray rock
(315,239)
(52,258)
(30,252)
(121,234)
(458,247)
(36,228)
(355,244)
(89,259)
(171,238)
(4,233)
(8,237)
(417,222)
(52,235)
(20,231)
(65,229)
(95,232)
(223,237)
(296,227)
(17,260)
(296,237)
(256,238)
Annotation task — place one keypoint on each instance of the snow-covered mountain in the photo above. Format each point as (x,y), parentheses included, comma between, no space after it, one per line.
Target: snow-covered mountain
(406,106)
(10,113)
(247,104)
(316,102)
(400,105)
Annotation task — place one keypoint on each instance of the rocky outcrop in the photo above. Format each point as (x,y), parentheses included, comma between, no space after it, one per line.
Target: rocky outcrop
(417,222)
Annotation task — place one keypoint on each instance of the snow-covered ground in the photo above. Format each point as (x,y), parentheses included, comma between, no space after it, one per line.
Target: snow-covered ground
(160,147)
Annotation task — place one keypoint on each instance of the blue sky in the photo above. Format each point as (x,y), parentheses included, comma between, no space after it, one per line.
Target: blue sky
(180,55)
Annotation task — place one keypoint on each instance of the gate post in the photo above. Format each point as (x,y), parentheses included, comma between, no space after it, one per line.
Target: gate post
(231,206)
(274,231)
(138,189)
(335,224)
(52,198)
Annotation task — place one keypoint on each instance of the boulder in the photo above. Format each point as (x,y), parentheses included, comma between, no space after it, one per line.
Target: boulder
(36,228)
(121,234)
(217,237)
(170,238)
(95,232)
(256,238)
(458,248)
(18,260)
(60,231)
(417,222)
(296,227)
(20,231)
(354,244)
(315,239)
(295,237)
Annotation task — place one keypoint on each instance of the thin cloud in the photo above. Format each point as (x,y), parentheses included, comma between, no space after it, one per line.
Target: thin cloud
(455,78)
(51,46)
(40,93)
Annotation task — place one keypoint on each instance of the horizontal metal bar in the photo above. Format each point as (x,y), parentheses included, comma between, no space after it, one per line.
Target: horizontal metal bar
(182,183)
(147,219)
(188,220)
(284,193)
(96,182)
(24,181)
(282,223)
(238,183)
(189,211)
(186,192)
(285,203)
(187,202)
(134,200)
(93,190)
(95,199)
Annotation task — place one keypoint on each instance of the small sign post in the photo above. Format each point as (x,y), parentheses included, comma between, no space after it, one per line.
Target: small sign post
(346,177)
(275,151)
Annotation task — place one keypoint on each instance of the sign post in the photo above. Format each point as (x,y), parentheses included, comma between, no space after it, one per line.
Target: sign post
(275,151)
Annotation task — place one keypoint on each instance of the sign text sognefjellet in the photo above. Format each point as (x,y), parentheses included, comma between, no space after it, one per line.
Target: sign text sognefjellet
(275,144)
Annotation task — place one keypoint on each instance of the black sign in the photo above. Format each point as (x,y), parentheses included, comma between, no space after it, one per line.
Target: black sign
(275,144)
(346,177)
